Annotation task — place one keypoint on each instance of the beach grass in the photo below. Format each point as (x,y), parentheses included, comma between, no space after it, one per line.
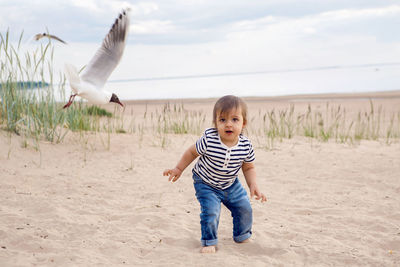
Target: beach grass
(333,123)
(269,127)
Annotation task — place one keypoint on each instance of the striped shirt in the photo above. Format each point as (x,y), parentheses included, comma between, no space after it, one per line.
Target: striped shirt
(219,164)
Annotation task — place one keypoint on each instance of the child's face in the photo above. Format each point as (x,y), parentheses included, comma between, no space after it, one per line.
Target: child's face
(230,125)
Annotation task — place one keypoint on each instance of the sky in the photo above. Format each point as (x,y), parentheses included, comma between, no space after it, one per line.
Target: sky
(208,48)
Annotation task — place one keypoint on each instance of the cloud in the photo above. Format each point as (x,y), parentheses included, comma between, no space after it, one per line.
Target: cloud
(152,27)
(195,21)
(102,6)
(144,8)
(350,14)
(90,5)
(320,24)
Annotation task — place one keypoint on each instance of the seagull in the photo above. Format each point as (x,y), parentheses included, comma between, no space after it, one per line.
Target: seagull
(50,36)
(90,84)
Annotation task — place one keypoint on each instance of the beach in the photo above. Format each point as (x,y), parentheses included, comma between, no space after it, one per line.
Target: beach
(99,199)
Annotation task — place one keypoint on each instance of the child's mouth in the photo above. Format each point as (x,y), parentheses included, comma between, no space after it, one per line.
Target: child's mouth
(228,132)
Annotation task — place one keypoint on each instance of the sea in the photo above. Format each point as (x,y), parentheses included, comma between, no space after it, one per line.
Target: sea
(264,83)
(330,79)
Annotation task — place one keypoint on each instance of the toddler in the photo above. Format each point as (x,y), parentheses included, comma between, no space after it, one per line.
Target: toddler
(223,151)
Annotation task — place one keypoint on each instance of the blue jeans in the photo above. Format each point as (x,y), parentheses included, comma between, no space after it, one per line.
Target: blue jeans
(234,198)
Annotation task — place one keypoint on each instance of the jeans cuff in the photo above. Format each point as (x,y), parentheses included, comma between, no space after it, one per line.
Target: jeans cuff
(206,243)
(242,237)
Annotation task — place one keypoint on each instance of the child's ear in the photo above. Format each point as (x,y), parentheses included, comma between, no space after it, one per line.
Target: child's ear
(244,129)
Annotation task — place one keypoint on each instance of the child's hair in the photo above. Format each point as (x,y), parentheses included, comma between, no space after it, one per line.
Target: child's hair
(226,104)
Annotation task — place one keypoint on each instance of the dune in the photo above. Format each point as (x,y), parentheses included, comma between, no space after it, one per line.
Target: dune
(102,200)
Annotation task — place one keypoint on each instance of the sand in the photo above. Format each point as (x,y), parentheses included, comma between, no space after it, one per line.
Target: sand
(84,203)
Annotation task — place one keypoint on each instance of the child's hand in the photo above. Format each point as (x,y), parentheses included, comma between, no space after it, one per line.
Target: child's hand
(254,191)
(173,174)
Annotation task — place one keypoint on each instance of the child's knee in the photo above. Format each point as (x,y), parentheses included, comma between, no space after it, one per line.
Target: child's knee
(247,209)
(244,209)
(210,214)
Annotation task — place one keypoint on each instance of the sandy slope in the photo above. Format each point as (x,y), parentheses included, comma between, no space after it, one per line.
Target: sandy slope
(81,204)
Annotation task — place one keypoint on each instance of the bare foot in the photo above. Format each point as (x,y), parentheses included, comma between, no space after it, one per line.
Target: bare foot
(208,249)
(245,241)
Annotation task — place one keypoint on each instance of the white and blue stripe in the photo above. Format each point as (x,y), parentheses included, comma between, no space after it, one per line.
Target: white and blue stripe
(218,164)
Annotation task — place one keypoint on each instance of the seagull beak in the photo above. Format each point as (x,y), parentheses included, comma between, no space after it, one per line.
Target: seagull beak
(114,98)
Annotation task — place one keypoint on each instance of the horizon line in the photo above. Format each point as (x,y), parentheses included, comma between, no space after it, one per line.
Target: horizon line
(212,75)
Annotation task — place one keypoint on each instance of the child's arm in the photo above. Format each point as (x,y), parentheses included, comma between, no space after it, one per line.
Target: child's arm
(250,175)
(187,158)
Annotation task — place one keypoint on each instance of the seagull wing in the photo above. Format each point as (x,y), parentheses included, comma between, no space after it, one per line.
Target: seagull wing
(109,54)
(41,35)
(56,38)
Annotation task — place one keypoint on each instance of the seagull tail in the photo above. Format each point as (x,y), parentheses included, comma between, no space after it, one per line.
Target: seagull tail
(73,76)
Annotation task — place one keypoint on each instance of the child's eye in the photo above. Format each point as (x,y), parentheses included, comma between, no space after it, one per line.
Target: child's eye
(235,119)
(222,120)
